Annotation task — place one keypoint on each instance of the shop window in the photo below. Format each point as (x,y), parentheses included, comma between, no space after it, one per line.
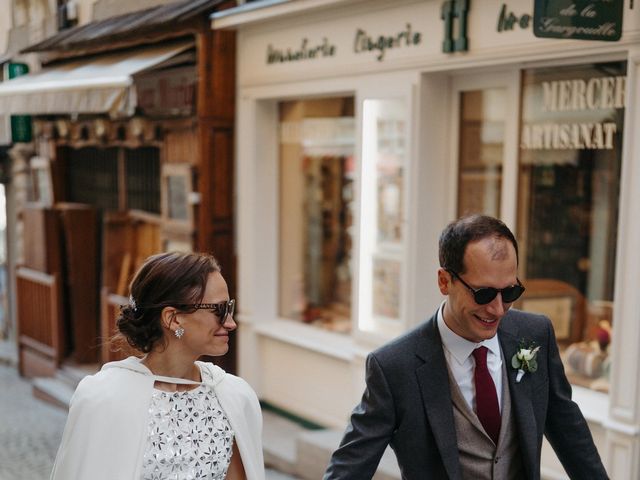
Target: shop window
(384,149)
(316,211)
(569,186)
(482,126)
(67,14)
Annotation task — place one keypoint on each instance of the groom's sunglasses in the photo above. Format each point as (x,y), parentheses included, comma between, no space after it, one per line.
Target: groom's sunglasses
(484,295)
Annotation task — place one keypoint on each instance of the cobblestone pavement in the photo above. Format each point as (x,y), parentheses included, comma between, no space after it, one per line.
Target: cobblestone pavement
(30,431)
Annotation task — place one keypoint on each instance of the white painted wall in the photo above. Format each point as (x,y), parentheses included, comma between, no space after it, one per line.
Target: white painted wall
(6,22)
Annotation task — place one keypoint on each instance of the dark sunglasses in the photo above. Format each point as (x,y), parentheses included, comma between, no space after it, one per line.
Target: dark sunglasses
(485,295)
(221,310)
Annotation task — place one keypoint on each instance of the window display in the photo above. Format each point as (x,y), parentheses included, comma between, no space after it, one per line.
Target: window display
(316,211)
(384,151)
(569,185)
(482,117)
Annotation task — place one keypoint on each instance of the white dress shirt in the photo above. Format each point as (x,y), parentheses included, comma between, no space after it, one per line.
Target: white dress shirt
(458,353)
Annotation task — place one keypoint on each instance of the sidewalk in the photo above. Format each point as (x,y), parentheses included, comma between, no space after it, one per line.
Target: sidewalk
(30,430)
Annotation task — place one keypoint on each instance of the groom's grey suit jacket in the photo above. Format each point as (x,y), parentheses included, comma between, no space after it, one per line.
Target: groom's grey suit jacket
(407,404)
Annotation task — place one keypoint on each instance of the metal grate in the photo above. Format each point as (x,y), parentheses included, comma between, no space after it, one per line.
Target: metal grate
(93,176)
(143,179)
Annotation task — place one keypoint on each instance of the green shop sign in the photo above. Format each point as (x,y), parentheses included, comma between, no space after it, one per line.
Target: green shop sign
(578,19)
(20,124)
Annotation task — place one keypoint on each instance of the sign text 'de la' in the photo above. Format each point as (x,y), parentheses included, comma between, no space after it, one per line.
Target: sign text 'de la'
(578,19)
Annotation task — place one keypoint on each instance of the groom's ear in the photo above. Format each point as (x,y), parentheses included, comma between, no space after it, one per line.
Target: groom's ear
(444,281)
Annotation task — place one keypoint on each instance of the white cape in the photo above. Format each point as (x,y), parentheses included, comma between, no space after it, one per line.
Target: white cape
(105,434)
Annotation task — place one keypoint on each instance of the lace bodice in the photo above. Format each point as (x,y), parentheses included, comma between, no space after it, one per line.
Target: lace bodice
(188,436)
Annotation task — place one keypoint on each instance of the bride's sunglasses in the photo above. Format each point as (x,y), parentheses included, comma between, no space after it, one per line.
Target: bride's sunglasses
(221,310)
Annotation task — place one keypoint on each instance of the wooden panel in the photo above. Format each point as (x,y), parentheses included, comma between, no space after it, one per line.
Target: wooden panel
(216,111)
(41,344)
(216,74)
(42,239)
(112,348)
(181,146)
(80,224)
(215,218)
(217,212)
(117,243)
(147,242)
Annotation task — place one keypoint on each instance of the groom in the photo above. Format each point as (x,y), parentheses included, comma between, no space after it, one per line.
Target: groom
(446,396)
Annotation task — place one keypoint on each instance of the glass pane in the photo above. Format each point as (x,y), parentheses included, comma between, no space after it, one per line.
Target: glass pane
(482,117)
(569,183)
(386,287)
(93,176)
(316,211)
(389,164)
(384,150)
(143,179)
(177,190)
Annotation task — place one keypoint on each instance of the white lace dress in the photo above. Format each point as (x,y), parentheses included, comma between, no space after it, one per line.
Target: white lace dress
(188,437)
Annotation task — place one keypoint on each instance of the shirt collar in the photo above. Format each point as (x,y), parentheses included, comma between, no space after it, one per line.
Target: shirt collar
(460,348)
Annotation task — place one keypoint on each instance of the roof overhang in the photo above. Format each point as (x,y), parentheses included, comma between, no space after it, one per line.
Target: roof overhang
(93,85)
(151,25)
(265,10)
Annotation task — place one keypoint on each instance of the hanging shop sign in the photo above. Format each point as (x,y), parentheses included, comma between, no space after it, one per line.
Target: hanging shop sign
(20,124)
(578,19)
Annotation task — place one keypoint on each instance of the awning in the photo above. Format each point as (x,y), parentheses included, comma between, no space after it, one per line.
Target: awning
(100,84)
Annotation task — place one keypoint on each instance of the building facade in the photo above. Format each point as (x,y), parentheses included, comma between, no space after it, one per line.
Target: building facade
(363,128)
(126,152)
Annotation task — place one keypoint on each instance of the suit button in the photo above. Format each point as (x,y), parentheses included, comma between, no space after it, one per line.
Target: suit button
(495,460)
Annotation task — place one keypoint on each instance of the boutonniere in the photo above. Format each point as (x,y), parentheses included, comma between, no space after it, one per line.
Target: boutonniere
(525,359)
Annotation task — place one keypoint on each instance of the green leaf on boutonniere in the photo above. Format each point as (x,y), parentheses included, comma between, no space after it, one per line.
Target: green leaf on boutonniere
(515,363)
(533,365)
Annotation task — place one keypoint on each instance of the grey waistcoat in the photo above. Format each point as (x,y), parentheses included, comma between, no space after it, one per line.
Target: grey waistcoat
(480,458)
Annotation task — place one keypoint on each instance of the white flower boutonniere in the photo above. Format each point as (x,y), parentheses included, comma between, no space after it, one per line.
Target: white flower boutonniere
(525,359)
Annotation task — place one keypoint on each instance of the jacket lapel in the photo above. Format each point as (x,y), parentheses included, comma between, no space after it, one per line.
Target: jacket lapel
(521,405)
(433,379)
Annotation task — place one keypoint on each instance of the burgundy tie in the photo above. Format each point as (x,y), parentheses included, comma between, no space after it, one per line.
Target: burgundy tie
(487,407)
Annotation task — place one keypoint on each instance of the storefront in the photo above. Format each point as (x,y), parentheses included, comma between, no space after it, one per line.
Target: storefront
(365,127)
(131,155)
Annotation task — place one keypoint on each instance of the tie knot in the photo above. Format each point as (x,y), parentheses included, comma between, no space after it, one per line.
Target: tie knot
(480,354)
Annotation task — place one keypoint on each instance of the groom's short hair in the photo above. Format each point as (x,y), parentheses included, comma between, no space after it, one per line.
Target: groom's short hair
(471,228)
